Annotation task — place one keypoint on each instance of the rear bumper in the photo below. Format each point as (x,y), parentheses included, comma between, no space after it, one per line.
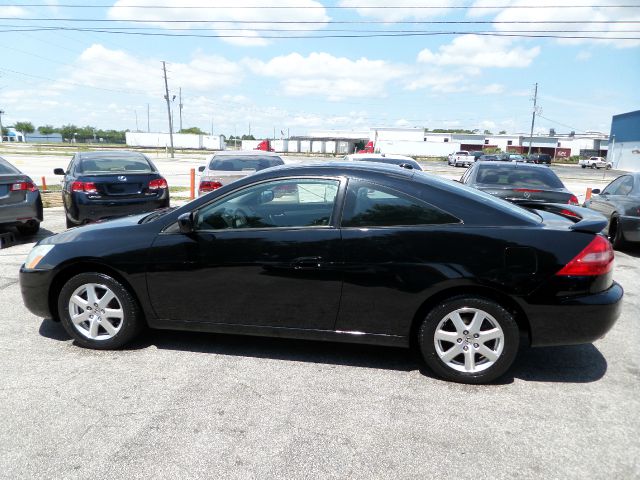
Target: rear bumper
(34,286)
(19,213)
(84,209)
(630,228)
(575,320)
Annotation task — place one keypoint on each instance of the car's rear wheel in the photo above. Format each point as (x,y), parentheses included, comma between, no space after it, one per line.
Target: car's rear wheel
(98,311)
(29,228)
(469,340)
(594,166)
(615,233)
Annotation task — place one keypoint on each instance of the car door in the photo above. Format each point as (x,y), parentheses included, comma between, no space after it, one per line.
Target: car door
(265,255)
(605,202)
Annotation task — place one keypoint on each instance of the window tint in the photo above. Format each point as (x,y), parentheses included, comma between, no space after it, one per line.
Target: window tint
(6,167)
(277,204)
(626,186)
(238,163)
(108,165)
(612,188)
(518,177)
(369,205)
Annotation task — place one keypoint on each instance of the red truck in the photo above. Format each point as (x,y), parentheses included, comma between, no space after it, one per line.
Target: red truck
(265,145)
(368,148)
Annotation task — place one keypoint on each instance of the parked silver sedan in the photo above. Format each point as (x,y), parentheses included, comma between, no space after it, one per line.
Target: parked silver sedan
(20,201)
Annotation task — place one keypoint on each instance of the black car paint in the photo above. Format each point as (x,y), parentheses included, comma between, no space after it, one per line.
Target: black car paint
(623,205)
(367,285)
(83,207)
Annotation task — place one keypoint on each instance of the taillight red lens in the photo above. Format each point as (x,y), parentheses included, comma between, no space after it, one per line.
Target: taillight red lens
(158,183)
(87,187)
(573,200)
(595,259)
(209,186)
(526,190)
(23,186)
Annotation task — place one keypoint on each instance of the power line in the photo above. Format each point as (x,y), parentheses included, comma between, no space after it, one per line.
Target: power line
(318,7)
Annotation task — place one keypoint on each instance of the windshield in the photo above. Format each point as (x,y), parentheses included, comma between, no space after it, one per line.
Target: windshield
(114,164)
(238,163)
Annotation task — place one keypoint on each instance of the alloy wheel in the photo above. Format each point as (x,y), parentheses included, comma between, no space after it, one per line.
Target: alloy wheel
(95,311)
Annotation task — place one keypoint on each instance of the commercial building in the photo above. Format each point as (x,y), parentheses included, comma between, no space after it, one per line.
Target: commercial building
(624,151)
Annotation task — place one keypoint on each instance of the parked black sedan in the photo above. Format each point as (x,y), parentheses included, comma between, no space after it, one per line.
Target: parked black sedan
(347,252)
(100,185)
(518,183)
(620,203)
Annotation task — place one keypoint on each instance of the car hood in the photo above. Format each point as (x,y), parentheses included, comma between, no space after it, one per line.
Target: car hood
(100,229)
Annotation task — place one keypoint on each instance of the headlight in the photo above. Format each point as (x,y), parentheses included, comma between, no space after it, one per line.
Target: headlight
(36,254)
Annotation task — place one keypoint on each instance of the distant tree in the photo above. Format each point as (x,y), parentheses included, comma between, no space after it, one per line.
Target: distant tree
(193,130)
(67,131)
(248,137)
(488,132)
(24,127)
(502,132)
(47,129)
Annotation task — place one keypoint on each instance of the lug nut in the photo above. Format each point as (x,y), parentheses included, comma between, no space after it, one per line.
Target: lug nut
(90,316)
(466,332)
(95,304)
(459,340)
(89,308)
(475,335)
(476,345)
(465,348)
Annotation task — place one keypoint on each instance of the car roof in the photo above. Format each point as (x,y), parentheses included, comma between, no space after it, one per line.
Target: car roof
(111,154)
(245,153)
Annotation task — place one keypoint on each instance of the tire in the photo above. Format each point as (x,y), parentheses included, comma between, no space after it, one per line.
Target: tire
(29,228)
(583,166)
(69,223)
(483,360)
(608,167)
(99,331)
(593,166)
(615,234)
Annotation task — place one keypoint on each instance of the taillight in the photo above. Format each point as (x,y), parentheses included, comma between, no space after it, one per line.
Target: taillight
(573,200)
(23,186)
(87,187)
(209,185)
(157,184)
(595,259)
(533,190)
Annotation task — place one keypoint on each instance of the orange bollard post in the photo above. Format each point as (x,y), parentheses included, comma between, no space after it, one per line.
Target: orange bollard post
(587,195)
(192,192)
(44,183)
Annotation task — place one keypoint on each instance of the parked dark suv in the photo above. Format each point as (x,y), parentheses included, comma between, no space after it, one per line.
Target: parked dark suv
(100,185)
(542,158)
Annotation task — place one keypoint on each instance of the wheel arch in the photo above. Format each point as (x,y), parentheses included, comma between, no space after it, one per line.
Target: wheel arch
(85,266)
(502,299)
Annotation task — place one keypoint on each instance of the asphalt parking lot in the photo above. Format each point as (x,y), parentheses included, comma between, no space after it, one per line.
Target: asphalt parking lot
(187,405)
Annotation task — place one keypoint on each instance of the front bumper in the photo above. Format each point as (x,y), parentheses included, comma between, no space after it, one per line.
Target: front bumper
(34,286)
(630,228)
(575,320)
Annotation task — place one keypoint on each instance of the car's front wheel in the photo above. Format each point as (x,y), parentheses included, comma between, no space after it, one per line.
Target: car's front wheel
(98,311)
(469,340)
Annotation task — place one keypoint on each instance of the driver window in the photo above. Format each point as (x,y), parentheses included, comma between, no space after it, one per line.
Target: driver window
(612,188)
(277,204)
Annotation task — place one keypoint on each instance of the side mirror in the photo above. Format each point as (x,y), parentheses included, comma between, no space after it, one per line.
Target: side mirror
(595,191)
(201,168)
(185,223)
(58,171)
(266,196)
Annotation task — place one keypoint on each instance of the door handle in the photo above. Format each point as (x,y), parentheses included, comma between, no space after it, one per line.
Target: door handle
(307,263)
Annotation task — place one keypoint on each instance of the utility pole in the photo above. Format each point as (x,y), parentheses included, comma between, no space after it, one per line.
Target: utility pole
(136,112)
(148,127)
(1,113)
(166,97)
(180,106)
(533,118)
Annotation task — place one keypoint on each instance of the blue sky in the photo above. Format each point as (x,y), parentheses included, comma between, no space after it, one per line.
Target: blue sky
(455,80)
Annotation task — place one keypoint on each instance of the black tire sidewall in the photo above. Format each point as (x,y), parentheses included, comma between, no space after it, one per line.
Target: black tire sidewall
(503,317)
(132,322)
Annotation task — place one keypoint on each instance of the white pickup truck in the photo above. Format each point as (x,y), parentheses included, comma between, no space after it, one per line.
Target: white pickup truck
(595,162)
(461,158)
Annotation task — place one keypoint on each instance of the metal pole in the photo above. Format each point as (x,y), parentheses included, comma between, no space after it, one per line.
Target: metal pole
(1,113)
(166,97)
(533,118)
(180,106)
(148,127)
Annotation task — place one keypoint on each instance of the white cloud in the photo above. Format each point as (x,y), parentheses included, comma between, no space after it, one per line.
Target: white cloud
(118,70)
(395,13)
(583,55)
(244,24)
(480,52)
(14,11)
(577,17)
(335,78)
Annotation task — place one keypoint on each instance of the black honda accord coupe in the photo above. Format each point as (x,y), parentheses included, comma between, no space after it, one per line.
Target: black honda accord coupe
(353,252)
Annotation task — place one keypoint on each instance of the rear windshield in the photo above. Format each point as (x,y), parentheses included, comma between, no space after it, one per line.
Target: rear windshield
(238,163)
(518,177)
(6,167)
(113,164)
